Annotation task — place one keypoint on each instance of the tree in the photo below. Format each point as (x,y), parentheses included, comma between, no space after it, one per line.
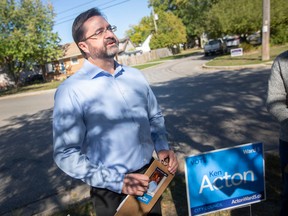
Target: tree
(279,21)
(234,17)
(138,33)
(245,17)
(218,18)
(171,31)
(193,14)
(26,35)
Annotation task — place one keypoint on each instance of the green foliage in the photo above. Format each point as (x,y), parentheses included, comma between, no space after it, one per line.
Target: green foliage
(138,33)
(171,31)
(26,35)
(234,17)
(245,17)
(279,22)
(162,5)
(193,14)
(222,17)
(247,47)
(279,34)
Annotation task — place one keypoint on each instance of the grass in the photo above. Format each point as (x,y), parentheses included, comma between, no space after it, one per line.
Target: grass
(174,201)
(143,66)
(252,57)
(31,88)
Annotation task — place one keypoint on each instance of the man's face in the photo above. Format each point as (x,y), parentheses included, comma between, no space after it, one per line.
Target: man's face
(100,42)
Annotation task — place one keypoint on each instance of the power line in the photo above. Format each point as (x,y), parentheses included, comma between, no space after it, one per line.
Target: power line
(58,23)
(75,7)
(62,18)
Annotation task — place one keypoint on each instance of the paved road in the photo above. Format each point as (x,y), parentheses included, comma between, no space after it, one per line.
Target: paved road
(204,109)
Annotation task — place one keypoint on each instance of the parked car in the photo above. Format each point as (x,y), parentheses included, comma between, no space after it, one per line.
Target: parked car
(34,78)
(215,46)
(232,42)
(255,38)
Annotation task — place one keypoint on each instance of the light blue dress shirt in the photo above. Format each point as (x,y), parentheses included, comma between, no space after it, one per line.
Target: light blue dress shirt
(105,126)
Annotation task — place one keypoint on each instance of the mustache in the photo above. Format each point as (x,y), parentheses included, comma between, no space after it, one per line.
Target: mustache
(111,40)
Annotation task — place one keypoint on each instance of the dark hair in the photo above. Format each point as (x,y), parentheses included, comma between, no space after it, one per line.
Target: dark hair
(77,27)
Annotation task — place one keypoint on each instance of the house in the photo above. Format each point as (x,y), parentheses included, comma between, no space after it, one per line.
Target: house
(126,47)
(68,64)
(145,47)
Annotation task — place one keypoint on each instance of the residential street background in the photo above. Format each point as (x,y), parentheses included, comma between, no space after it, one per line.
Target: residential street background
(205,109)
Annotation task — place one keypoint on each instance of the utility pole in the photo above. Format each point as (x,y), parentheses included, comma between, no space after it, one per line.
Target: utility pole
(155,17)
(266,30)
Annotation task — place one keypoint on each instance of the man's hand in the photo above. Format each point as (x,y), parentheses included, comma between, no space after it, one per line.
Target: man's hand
(135,184)
(163,155)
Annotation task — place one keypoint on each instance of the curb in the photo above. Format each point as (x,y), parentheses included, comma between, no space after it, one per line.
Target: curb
(26,94)
(267,64)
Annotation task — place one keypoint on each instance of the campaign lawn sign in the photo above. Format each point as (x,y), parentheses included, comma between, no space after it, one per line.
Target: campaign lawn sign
(225,178)
(236,52)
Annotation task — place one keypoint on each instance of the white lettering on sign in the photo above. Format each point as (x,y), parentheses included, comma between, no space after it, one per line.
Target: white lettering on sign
(249,151)
(247,198)
(225,181)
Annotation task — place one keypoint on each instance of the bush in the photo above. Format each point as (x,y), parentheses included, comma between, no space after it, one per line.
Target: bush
(279,34)
(248,47)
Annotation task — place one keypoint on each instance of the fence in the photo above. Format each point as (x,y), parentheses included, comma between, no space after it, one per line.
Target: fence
(144,57)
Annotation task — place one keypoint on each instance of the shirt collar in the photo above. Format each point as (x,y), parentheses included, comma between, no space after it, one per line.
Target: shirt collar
(93,71)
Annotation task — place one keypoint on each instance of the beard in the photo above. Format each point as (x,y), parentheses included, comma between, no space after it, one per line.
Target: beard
(109,49)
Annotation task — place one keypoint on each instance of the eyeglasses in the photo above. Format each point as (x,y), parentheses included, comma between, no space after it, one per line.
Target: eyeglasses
(101,31)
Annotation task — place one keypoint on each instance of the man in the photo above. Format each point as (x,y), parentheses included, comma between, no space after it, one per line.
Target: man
(106,120)
(277,105)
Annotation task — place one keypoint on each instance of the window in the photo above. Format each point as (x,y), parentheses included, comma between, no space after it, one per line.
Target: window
(74,61)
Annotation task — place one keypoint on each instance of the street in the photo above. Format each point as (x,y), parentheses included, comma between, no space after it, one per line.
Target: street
(205,109)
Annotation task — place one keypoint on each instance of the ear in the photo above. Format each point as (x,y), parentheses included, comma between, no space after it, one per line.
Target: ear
(83,46)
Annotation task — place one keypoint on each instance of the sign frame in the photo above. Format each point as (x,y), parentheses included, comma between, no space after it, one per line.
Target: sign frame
(226,178)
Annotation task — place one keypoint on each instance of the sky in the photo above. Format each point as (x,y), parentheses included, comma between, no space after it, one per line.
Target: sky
(122,13)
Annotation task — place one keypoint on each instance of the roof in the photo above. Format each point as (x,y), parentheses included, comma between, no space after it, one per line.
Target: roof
(70,50)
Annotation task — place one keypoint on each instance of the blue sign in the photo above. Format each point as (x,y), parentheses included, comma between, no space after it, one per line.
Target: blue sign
(225,178)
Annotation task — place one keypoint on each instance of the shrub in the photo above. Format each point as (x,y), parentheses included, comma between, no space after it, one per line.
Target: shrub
(248,47)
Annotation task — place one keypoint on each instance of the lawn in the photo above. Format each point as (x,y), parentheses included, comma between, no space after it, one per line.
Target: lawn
(248,58)
(53,84)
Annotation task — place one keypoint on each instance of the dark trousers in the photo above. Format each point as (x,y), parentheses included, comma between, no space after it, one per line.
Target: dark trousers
(106,202)
(283,152)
